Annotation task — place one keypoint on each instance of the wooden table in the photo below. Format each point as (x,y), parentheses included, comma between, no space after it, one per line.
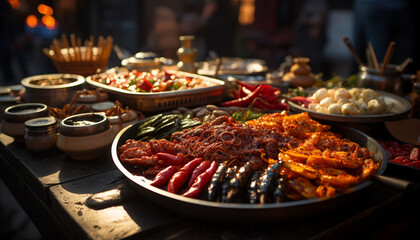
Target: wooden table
(53,190)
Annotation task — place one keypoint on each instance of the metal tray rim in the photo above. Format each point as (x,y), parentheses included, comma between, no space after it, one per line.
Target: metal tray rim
(143,183)
(220,86)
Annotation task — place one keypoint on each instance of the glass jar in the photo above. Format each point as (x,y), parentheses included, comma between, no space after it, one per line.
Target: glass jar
(41,134)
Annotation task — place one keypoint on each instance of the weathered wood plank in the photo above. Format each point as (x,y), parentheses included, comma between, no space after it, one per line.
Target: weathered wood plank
(137,216)
(43,170)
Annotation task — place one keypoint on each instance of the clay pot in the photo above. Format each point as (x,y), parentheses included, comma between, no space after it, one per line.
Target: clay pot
(300,74)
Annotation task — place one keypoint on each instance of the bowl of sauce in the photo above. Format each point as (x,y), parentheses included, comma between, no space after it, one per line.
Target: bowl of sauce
(85,136)
(55,90)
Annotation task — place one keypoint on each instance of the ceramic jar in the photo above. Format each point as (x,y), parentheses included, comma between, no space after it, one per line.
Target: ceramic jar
(300,74)
(41,134)
(120,122)
(14,118)
(85,136)
(187,54)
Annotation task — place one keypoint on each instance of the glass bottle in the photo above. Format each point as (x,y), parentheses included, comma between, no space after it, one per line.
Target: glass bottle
(187,54)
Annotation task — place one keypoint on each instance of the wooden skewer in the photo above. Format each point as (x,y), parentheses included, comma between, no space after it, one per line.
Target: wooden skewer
(92,43)
(373,55)
(86,49)
(100,48)
(89,49)
(404,64)
(65,41)
(74,46)
(46,51)
(388,55)
(108,48)
(79,46)
(57,50)
(353,51)
(368,58)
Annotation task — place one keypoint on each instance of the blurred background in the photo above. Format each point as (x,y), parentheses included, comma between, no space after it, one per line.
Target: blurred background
(264,29)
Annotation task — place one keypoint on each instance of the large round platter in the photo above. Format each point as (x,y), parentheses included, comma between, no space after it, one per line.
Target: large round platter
(400,109)
(240,212)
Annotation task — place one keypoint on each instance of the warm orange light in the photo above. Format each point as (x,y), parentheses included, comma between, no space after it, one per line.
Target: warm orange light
(31,21)
(44,9)
(14,3)
(246,12)
(48,21)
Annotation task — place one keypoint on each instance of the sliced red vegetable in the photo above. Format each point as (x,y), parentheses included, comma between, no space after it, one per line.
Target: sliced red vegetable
(242,102)
(169,159)
(163,176)
(145,85)
(204,165)
(180,177)
(201,182)
(247,85)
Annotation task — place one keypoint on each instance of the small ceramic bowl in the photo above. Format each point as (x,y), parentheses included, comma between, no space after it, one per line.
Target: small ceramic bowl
(85,136)
(14,118)
(120,122)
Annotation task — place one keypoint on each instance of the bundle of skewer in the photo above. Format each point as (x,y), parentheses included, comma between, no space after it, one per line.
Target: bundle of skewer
(372,61)
(70,56)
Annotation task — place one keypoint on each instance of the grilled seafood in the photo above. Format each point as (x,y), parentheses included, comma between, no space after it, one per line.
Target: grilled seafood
(274,158)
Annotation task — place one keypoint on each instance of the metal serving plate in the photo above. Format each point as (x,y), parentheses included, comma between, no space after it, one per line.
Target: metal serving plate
(242,212)
(161,101)
(233,66)
(400,109)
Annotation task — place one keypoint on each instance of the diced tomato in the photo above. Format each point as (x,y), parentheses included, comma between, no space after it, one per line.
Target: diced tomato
(145,85)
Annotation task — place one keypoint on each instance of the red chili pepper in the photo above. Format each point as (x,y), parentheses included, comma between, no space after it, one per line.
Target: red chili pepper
(235,94)
(301,100)
(274,97)
(163,176)
(201,182)
(242,102)
(244,91)
(198,170)
(260,103)
(169,159)
(247,85)
(180,177)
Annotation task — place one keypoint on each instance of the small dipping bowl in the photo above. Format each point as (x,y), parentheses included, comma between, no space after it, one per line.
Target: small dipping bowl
(7,101)
(41,134)
(14,118)
(85,136)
